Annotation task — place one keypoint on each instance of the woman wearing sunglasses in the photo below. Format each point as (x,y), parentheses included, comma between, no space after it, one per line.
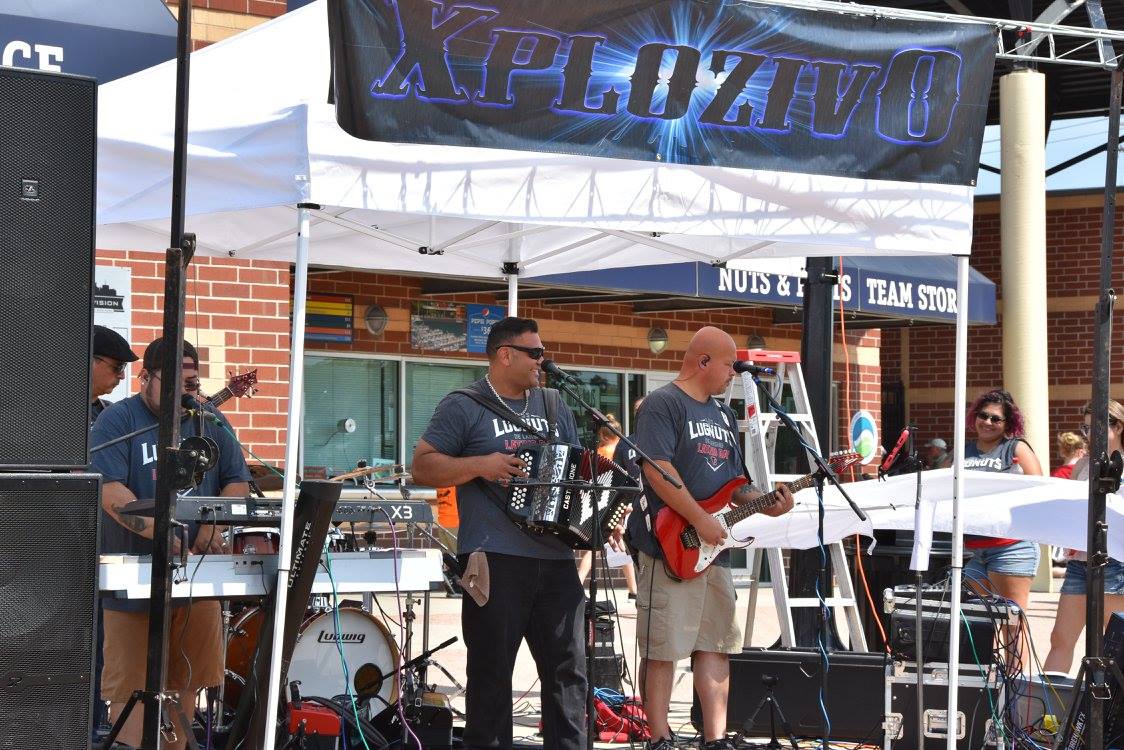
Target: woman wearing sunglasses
(1070,620)
(1005,566)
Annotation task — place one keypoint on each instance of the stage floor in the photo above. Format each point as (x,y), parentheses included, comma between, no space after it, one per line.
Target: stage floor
(445,623)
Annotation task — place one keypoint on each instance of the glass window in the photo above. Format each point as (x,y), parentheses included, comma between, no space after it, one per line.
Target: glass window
(350,412)
(426,385)
(602,391)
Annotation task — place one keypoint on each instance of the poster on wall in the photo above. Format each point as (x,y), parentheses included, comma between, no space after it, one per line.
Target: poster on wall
(329,318)
(481,318)
(438,327)
(113,308)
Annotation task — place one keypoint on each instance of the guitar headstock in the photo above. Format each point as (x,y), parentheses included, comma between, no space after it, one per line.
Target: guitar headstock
(243,385)
(842,460)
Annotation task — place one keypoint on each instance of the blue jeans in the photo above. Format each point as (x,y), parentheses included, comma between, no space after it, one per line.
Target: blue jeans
(1077,577)
(1019,559)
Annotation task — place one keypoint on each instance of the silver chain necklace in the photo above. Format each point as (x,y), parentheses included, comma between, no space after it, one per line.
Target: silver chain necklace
(526,399)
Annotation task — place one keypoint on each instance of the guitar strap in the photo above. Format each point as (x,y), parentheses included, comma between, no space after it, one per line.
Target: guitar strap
(725,408)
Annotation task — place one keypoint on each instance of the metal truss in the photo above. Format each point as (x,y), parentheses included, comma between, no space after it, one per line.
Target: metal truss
(1018,41)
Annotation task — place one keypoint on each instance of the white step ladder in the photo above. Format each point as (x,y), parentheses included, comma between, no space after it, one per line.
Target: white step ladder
(761,427)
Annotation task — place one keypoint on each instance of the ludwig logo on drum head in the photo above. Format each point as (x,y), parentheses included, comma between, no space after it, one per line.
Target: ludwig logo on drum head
(328,636)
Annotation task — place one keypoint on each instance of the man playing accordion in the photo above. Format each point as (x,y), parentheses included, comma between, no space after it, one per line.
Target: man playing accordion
(526,585)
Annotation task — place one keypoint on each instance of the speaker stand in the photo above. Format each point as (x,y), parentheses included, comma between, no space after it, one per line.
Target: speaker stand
(775,711)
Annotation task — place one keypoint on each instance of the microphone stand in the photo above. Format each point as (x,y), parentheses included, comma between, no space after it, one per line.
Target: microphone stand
(821,464)
(825,472)
(597,544)
(187,414)
(920,564)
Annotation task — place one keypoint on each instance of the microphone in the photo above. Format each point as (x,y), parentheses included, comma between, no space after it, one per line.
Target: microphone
(892,455)
(741,366)
(549,366)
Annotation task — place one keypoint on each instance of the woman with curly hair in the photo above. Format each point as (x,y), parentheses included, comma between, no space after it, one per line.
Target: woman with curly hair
(1009,565)
(1070,620)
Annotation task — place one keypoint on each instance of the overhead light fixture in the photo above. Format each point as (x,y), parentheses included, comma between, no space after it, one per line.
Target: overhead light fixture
(376,319)
(657,340)
(753,341)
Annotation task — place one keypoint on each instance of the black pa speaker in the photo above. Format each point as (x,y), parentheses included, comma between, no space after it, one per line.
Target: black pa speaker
(854,701)
(48,144)
(48,584)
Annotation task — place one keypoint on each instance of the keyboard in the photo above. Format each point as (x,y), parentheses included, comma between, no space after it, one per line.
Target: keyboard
(254,511)
(249,576)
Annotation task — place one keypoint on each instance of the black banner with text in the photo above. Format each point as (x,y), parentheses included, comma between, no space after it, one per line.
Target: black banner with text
(706,82)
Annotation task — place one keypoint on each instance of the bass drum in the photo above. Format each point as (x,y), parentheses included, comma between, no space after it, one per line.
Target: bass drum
(368,648)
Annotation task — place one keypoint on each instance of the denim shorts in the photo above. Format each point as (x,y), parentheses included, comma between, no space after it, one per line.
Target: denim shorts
(1019,559)
(1077,577)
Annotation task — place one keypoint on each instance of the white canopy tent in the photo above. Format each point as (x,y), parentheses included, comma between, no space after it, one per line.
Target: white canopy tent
(271,176)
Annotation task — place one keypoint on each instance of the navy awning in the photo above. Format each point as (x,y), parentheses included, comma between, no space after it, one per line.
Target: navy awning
(103,40)
(922,289)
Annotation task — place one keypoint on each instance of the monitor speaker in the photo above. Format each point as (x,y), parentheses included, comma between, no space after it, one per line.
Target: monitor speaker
(854,700)
(48,144)
(48,584)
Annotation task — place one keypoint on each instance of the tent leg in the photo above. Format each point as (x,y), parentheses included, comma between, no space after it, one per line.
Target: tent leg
(513,295)
(292,433)
(959,402)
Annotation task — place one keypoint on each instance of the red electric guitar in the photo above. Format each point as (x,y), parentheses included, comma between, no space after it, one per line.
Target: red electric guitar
(686,556)
(238,386)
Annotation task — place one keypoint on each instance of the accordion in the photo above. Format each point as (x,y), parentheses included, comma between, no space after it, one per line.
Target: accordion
(568,493)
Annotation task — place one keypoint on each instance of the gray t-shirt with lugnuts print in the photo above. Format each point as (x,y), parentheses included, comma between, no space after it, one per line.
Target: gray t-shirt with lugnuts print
(698,438)
(463,427)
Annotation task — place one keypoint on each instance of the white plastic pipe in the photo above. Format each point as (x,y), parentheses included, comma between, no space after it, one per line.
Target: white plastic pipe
(288,501)
(959,406)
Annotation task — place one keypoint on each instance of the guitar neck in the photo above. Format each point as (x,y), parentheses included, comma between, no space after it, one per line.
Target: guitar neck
(224,395)
(746,510)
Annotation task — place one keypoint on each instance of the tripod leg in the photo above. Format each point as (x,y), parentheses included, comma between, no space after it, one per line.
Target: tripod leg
(119,724)
(785,726)
(456,684)
(747,725)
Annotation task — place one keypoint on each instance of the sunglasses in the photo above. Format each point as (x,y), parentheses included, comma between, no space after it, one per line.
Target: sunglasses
(1085,429)
(993,418)
(118,368)
(534,352)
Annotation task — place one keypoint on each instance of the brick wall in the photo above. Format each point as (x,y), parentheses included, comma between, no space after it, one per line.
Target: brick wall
(215,20)
(238,318)
(1073,227)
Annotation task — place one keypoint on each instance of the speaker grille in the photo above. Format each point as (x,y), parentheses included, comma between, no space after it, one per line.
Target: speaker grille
(47,176)
(48,584)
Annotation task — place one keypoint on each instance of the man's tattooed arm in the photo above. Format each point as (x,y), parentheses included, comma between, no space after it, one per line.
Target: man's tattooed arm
(114,497)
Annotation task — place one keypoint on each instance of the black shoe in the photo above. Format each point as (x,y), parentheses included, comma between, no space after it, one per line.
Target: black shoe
(725,743)
(662,744)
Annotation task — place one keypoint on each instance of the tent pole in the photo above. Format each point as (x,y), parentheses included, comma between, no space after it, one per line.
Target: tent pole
(1097,669)
(513,294)
(959,399)
(292,432)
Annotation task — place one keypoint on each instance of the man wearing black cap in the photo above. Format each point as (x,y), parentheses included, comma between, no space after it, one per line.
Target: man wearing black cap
(128,469)
(112,356)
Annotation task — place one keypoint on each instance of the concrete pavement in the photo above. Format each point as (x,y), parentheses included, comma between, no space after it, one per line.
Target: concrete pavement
(444,622)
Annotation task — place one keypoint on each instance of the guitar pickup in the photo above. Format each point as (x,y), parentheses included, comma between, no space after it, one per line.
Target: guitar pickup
(690,538)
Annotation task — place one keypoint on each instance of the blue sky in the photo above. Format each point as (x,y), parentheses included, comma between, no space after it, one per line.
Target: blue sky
(1067,139)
